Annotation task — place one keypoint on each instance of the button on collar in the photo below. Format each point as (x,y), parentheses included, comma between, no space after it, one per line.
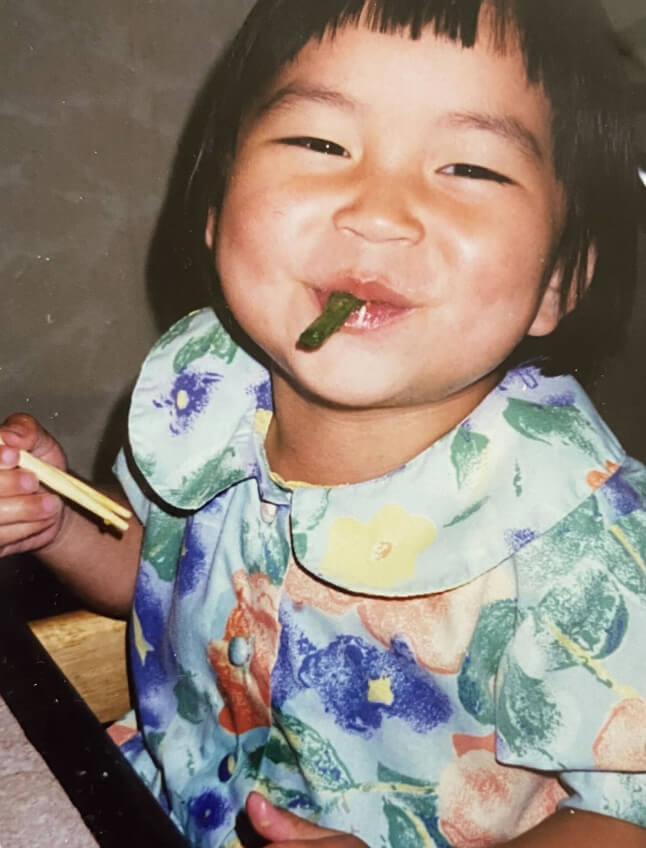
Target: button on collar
(268,512)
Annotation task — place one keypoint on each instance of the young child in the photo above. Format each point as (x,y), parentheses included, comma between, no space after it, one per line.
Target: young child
(432,637)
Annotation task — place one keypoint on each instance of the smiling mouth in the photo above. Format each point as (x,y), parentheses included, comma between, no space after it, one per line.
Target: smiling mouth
(381,304)
(373,315)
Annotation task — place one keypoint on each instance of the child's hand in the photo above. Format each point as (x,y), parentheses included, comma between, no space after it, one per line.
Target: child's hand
(30,516)
(282,828)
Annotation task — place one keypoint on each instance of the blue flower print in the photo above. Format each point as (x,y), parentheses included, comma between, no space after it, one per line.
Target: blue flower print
(208,811)
(563,399)
(527,375)
(152,664)
(193,564)
(294,645)
(188,396)
(620,495)
(517,539)
(361,685)
(262,392)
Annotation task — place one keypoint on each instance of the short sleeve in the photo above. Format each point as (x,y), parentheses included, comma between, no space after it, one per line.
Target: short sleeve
(138,501)
(571,685)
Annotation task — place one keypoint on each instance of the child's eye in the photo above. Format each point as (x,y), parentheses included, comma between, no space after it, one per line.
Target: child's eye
(475,172)
(317,145)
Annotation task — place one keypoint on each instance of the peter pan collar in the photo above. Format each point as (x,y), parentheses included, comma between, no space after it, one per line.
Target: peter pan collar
(525,458)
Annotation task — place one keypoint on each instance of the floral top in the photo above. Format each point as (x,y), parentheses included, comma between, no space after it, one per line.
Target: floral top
(437,657)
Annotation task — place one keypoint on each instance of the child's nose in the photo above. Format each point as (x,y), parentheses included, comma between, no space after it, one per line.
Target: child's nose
(381,209)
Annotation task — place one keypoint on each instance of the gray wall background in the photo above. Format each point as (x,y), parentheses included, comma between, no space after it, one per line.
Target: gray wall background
(95,98)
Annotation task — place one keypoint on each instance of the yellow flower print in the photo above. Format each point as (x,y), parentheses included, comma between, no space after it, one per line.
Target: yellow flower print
(380,691)
(142,646)
(261,421)
(380,553)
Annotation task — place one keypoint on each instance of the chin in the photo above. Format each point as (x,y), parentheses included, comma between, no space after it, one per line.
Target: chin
(351,394)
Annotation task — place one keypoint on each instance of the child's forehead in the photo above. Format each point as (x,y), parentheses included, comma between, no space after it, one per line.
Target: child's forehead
(496,34)
(357,54)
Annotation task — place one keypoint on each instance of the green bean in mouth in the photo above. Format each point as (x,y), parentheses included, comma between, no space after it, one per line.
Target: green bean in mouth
(340,305)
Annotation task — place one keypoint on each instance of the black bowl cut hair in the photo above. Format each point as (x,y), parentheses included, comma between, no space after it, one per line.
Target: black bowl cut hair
(568,48)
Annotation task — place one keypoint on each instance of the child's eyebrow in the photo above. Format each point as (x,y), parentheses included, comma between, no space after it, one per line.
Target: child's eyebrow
(508,127)
(295,91)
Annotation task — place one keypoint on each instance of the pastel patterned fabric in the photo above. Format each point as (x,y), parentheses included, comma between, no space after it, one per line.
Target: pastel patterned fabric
(438,657)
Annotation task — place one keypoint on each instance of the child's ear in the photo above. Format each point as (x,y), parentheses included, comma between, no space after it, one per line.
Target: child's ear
(209,230)
(550,310)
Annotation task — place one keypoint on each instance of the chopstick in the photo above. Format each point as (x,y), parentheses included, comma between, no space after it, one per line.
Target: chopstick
(76,490)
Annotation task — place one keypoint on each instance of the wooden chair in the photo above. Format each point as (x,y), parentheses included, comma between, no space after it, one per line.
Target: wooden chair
(90,650)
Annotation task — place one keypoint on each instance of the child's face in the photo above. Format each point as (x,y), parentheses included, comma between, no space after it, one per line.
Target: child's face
(419,176)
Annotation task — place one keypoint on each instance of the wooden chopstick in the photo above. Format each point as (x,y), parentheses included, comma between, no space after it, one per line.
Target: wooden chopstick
(76,490)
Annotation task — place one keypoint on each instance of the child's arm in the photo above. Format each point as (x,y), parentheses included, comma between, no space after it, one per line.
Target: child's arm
(100,566)
(565,829)
(579,829)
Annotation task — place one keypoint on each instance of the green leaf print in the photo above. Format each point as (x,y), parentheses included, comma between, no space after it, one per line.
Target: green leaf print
(495,624)
(476,507)
(178,329)
(279,752)
(316,757)
(311,516)
(146,464)
(628,548)
(518,480)
(155,739)
(290,799)
(192,704)
(216,342)
(526,717)
(586,613)
(163,543)
(264,550)
(299,541)
(418,806)
(581,534)
(628,802)
(307,520)
(215,475)
(404,829)
(549,424)
(584,535)
(467,450)
(388,775)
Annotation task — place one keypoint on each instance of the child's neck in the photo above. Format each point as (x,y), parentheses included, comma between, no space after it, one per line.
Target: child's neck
(311,442)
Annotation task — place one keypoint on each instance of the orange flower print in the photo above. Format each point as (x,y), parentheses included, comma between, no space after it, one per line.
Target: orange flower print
(621,743)
(476,795)
(244,682)
(596,479)
(121,732)
(305,590)
(463,743)
(449,620)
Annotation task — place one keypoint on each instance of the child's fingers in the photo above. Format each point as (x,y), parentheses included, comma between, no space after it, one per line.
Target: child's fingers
(15,512)
(280,825)
(24,509)
(22,432)
(9,457)
(28,523)
(32,537)
(21,536)
(16,481)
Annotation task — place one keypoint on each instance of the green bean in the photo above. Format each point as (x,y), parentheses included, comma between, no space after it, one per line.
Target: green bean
(339,307)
